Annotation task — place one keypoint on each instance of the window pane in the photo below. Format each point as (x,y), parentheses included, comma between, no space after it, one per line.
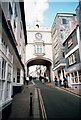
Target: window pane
(3,68)
(18,75)
(0,69)
(64,21)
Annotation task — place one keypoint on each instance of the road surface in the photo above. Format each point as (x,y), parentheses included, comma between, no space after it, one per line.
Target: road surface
(59,104)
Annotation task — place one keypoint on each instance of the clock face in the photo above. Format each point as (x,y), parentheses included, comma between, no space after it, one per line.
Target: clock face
(38,36)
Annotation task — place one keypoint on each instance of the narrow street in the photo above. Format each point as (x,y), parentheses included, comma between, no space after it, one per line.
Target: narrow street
(60,104)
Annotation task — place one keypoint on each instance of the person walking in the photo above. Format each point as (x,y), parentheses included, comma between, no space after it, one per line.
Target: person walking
(60,81)
(65,82)
(27,79)
(56,81)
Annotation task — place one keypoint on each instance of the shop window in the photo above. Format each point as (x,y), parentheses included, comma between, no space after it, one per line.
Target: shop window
(72,77)
(76,77)
(18,75)
(80,78)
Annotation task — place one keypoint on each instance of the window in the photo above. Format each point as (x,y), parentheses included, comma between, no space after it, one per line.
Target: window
(56,55)
(1,89)
(72,59)
(0,68)
(14,25)
(9,73)
(10,11)
(15,10)
(38,49)
(4,46)
(3,68)
(61,35)
(18,75)
(21,25)
(63,21)
(63,54)
(70,42)
(7,90)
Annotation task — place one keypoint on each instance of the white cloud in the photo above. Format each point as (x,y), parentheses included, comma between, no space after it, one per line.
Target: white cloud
(34,10)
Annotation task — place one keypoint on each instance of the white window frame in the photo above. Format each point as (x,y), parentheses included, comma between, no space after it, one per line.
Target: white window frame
(1,89)
(0,68)
(18,75)
(38,48)
(8,90)
(3,69)
(72,59)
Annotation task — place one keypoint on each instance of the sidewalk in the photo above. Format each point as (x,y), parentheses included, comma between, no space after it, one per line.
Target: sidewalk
(21,104)
(74,91)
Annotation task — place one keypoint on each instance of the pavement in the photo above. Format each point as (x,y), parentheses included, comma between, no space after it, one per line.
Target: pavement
(21,108)
(21,102)
(71,90)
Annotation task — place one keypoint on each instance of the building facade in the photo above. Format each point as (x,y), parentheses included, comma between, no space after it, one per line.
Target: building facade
(13,42)
(78,14)
(62,26)
(39,48)
(73,58)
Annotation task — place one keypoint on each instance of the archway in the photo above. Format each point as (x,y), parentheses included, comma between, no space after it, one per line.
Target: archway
(41,61)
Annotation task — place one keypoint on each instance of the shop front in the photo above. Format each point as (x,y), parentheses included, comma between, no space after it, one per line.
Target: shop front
(75,76)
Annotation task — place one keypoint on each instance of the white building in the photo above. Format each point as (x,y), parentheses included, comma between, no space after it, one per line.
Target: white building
(39,48)
(12,50)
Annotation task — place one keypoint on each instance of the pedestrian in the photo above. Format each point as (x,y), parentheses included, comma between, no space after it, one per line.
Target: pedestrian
(27,79)
(60,81)
(56,81)
(65,82)
(30,78)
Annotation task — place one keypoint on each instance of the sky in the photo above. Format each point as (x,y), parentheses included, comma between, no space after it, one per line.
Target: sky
(45,11)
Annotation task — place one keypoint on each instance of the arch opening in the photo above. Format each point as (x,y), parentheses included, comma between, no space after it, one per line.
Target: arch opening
(39,67)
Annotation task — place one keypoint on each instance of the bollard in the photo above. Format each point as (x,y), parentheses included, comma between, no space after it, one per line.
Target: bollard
(31,110)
